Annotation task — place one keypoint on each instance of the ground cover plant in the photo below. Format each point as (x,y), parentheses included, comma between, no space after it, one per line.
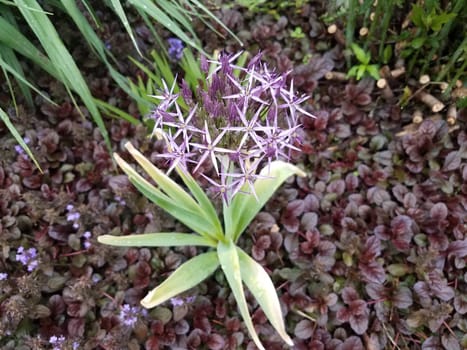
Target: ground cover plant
(368,251)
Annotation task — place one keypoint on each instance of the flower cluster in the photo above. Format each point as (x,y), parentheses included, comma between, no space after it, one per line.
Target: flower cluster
(3,276)
(129,314)
(27,258)
(175,49)
(244,116)
(73,216)
(87,236)
(20,149)
(58,343)
(180,301)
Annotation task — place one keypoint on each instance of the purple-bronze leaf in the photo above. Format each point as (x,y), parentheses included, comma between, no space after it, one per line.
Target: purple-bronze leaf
(439,212)
(452,162)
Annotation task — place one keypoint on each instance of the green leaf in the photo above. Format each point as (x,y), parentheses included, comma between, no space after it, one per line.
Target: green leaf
(361,55)
(117,6)
(244,207)
(387,54)
(441,19)
(230,264)
(160,239)
(61,59)
(4,117)
(360,71)
(417,16)
(418,42)
(193,220)
(185,277)
(260,285)
(352,71)
(373,70)
(169,186)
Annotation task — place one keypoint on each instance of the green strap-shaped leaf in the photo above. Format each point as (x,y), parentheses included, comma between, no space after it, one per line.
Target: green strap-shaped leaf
(159,239)
(194,220)
(260,285)
(165,183)
(203,200)
(185,277)
(244,207)
(230,264)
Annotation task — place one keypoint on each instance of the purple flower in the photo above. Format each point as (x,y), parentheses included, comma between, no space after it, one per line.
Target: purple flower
(129,315)
(73,216)
(57,342)
(180,301)
(19,149)
(175,49)
(3,276)
(235,123)
(27,258)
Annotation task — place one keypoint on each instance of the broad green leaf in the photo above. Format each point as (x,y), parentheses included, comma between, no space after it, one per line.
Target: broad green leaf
(230,264)
(373,71)
(418,42)
(244,207)
(352,71)
(417,16)
(117,6)
(165,183)
(159,239)
(185,277)
(361,55)
(260,285)
(4,117)
(203,200)
(193,220)
(360,72)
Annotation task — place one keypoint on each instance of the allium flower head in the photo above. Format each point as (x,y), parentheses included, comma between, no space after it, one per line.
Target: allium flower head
(242,118)
(27,258)
(175,49)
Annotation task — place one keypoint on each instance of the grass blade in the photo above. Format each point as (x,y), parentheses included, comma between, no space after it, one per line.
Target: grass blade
(117,6)
(185,277)
(4,117)
(61,59)
(230,264)
(260,285)
(160,239)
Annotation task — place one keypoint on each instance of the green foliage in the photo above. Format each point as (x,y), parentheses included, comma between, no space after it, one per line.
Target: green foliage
(54,57)
(273,8)
(195,210)
(364,68)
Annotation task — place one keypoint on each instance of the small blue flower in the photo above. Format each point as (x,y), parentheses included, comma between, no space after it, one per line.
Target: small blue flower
(27,258)
(175,49)
(3,276)
(57,342)
(129,315)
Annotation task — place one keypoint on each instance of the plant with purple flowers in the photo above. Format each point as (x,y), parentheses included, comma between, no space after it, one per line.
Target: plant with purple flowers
(129,314)
(175,49)
(27,258)
(241,119)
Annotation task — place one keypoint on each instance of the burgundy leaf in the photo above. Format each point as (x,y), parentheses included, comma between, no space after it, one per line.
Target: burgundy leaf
(215,342)
(349,295)
(431,343)
(351,343)
(439,211)
(182,327)
(303,329)
(452,162)
(76,327)
(371,250)
(376,291)
(402,299)
(309,221)
(460,303)
(372,272)
(450,342)
(336,186)
(457,249)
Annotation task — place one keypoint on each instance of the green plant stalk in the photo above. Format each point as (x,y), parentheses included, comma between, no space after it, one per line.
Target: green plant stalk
(462,48)
(350,27)
(387,15)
